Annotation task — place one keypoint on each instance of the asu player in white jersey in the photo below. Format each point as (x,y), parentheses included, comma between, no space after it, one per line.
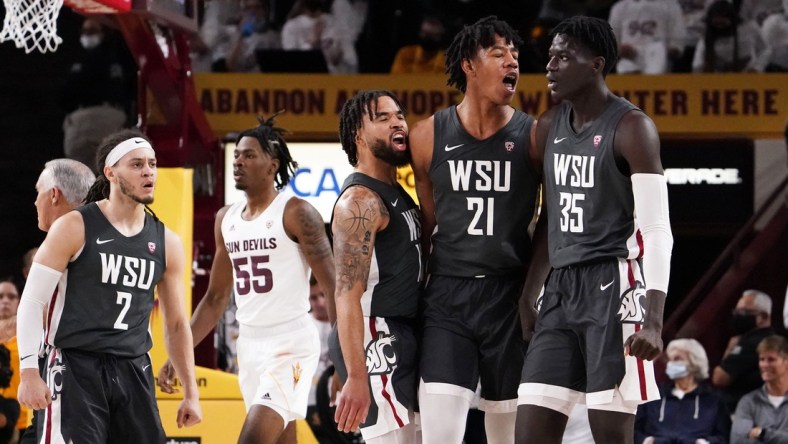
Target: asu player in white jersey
(265,247)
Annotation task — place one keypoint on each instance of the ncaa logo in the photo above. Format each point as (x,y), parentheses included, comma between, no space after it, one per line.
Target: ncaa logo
(509,146)
(597,140)
(152,247)
(269,223)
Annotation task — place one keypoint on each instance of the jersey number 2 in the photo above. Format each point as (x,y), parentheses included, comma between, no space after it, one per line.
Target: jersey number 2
(125,300)
(257,277)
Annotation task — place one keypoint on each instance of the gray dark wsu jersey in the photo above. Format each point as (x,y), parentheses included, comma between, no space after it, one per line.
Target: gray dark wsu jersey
(589,201)
(393,286)
(485,196)
(392,289)
(107,299)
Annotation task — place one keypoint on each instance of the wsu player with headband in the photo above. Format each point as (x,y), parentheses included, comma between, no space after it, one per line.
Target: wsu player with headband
(104,261)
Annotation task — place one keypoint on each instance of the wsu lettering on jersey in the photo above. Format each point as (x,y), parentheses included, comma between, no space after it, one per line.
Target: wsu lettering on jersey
(136,272)
(488,175)
(573,171)
(462,170)
(582,170)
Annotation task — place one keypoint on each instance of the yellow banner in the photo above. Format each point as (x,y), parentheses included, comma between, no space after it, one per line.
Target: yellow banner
(753,105)
(174,205)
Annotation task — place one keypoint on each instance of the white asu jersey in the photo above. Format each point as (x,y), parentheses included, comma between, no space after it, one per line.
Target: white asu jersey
(270,273)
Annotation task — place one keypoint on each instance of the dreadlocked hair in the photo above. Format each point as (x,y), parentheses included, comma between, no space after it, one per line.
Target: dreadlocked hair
(468,41)
(100,188)
(272,141)
(351,118)
(596,34)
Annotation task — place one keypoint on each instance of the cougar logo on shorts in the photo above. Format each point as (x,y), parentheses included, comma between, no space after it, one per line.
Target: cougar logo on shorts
(55,377)
(631,309)
(381,358)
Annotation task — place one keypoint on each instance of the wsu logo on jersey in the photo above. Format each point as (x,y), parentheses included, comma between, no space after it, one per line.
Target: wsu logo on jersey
(381,358)
(55,377)
(130,271)
(631,310)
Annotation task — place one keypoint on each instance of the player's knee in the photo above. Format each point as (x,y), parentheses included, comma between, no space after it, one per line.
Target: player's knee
(500,427)
(562,406)
(443,416)
(540,424)
(611,426)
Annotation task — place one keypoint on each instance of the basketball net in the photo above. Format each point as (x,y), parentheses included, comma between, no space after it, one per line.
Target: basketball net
(31,24)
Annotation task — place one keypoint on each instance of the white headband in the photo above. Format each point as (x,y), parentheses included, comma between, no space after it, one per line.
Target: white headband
(124,148)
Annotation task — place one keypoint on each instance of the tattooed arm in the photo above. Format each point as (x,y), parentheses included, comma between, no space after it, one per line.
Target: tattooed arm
(358,215)
(305,225)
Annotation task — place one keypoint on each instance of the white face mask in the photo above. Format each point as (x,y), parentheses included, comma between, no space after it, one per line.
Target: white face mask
(677,369)
(90,41)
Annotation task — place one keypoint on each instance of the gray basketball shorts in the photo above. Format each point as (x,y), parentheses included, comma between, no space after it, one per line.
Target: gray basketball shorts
(391,356)
(471,333)
(577,352)
(98,397)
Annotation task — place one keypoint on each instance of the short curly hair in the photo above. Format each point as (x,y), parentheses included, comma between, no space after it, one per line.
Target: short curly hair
(351,118)
(596,34)
(473,37)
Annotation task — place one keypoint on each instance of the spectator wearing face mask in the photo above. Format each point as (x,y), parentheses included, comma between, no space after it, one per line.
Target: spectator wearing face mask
(738,372)
(426,56)
(689,411)
(96,93)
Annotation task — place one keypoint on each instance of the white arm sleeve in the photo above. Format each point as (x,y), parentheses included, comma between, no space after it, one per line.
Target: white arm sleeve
(651,209)
(41,282)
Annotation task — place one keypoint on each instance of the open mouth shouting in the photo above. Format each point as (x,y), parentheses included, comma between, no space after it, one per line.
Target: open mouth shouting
(510,81)
(399,140)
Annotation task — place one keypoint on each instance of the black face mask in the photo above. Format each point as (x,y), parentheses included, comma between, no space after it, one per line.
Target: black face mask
(742,323)
(430,45)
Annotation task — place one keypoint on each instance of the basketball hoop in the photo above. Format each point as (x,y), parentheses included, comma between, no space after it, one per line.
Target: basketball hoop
(32,24)
(99,6)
